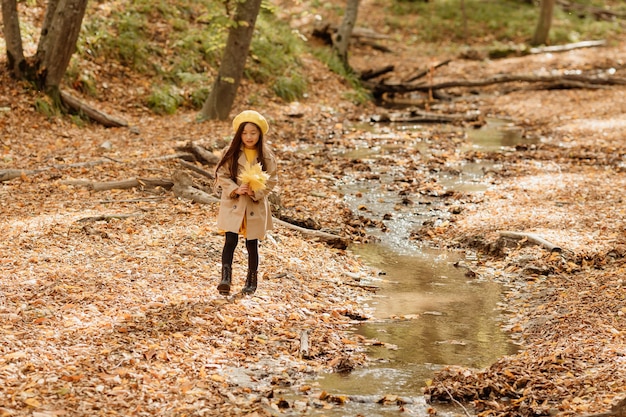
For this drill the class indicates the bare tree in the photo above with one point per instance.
(545, 21)
(222, 95)
(344, 33)
(15, 52)
(57, 43)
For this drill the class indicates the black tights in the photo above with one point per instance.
(252, 246)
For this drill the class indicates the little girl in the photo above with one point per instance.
(244, 208)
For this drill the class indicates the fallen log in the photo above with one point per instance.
(204, 154)
(534, 239)
(143, 183)
(91, 112)
(379, 89)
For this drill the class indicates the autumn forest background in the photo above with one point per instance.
(110, 258)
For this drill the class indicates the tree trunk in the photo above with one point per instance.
(57, 43)
(344, 33)
(222, 96)
(15, 52)
(545, 21)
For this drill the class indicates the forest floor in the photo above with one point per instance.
(107, 298)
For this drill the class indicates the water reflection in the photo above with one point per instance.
(431, 315)
(496, 135)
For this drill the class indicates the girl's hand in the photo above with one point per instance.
(244, 189)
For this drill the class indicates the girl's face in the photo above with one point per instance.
(250, 135)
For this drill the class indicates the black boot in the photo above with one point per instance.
(224, 286)
(250, 287)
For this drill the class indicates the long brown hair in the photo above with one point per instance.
(232, 153)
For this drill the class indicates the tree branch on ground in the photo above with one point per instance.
(94, 114)
(202, 154)
(531, 237)
(548, 82)
(10, 174)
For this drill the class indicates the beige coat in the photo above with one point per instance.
(255, 208)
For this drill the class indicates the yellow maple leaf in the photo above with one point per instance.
(254, 176)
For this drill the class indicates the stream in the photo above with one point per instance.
(427, 313)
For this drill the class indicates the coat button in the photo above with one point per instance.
(235, 207)
(252, 213)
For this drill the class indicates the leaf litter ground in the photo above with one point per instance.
(108, 302)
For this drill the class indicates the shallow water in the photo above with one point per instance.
(428, 313)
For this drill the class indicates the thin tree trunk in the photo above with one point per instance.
(15, 51)
(344, 33)
(464, 17)
(58, 42)
(222, 95)
(545, 21)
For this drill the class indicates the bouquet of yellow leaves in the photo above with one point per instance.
(254, 176)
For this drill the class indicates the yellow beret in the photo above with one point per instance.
(252, 117)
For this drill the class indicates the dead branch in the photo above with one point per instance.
(534, 239)
(424, 72)
(567, 47)
(379, 89)
(366, 287)
(105, 217)
(184, 188)
(91, 112)
(373, 73)
(196, 169)
(374, 45)
(304, 344)
(114, 185)
(9, 174)
(417, 116)
(132, 200)
(426, 117)
(199, 153)
(142, 183)
(523, 50)
(333, 240)
(361, 32)
(205, 155)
